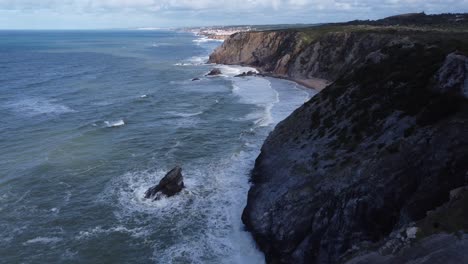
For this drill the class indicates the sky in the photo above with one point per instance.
(105, 14)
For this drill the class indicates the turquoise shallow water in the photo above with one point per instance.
(91, 119)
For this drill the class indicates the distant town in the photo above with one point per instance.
(220, 33)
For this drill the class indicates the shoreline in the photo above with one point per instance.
(316, 84)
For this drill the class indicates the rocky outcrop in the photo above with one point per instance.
(447, 247)
(368, 156)
(214, 72)
(292, 54)
(452, 77)
(245, 74)
(440, 235)
(170, 185)
(259, 49)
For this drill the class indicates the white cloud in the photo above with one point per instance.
(197, 12)
(142, 5)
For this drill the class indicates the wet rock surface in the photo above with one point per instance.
(244, 74)
(214, 72)
(170, 185)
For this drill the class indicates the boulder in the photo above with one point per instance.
(452, 77)
(170, 185)
(249, 73)
(214, 72)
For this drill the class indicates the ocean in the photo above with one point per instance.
(91, 119)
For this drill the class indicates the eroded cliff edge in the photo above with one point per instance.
(299, 55)
(373, 168)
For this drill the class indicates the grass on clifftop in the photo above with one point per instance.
(309, 35)
(411, 24)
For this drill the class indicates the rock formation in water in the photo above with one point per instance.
(214, 72)
(245, 74)
(363, 172)
(170, 185)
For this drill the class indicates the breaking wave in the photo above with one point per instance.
(38, 106)
(116, 123)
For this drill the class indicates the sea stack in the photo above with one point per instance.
(214, 72)
(170, 185)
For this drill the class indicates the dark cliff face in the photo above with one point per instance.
(368, 155)
(301, 55)
(328, 51)
(264, 50)
(331, 55)
(354, 174)
(286, 53)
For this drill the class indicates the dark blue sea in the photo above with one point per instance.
(90, 119)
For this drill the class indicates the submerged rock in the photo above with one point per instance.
(214, 72)
(170, 185)
(244, 74)
(195, 79)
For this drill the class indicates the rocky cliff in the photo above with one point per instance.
(291, 54)
(286, 53)
(328, 51)
(372, 169)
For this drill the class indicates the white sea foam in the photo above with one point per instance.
(257, 91)
(69, 254)
(157, 45)
(68, 195)
(37, 106)
(293, 96)
(179, 114)
(131, 188)
(204, 218)
(43, 240)
(98, 230)
(116, 123)
(233, 70)
(219, 198)
(263, 119)
(198, 59)
(7, 234)
(205, 40)
(193, 61)
(202, 223)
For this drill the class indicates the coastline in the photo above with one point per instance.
(316, 84)
(335, 164)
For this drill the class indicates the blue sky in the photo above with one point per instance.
(99, 14)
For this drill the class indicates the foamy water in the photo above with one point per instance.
(116, 123)
(80, 152)
(37, 106)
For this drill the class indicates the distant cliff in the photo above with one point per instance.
(328, 51)
(299, 54)
(373, 168)
(311, 58)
